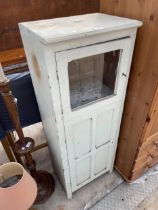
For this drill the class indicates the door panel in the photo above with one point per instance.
(103, 128)
(93, 76)
(83, 175)
(101, 160)
(92, 82)
(81, 136)
(91, 143)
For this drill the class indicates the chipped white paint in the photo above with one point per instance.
(82, 141)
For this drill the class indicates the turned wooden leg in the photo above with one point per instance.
(8, 150)
(10, 138)
(25, 145)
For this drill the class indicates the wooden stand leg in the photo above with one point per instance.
(10, 138)
(25, 145)
(8, 150)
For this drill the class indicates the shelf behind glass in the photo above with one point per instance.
(92, 78)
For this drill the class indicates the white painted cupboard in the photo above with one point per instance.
(80, 68)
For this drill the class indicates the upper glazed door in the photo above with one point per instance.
(92, 77)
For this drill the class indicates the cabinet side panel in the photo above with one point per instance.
(43, 90)
(143, 78)
(148, 152)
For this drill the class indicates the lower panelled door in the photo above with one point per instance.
(91, 143)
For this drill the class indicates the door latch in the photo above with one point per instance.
(123, 74)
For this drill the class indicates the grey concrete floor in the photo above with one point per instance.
(132, 196)
(150, 203)
(141, 195)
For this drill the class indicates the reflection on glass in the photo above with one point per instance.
(92, 78)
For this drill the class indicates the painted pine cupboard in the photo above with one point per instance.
(80, 68)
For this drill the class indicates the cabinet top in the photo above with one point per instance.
(60, 29)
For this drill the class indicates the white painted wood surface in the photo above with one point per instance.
(64, 57)
(82, 141)
(60, 29)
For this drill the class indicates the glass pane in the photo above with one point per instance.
(92, 78)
